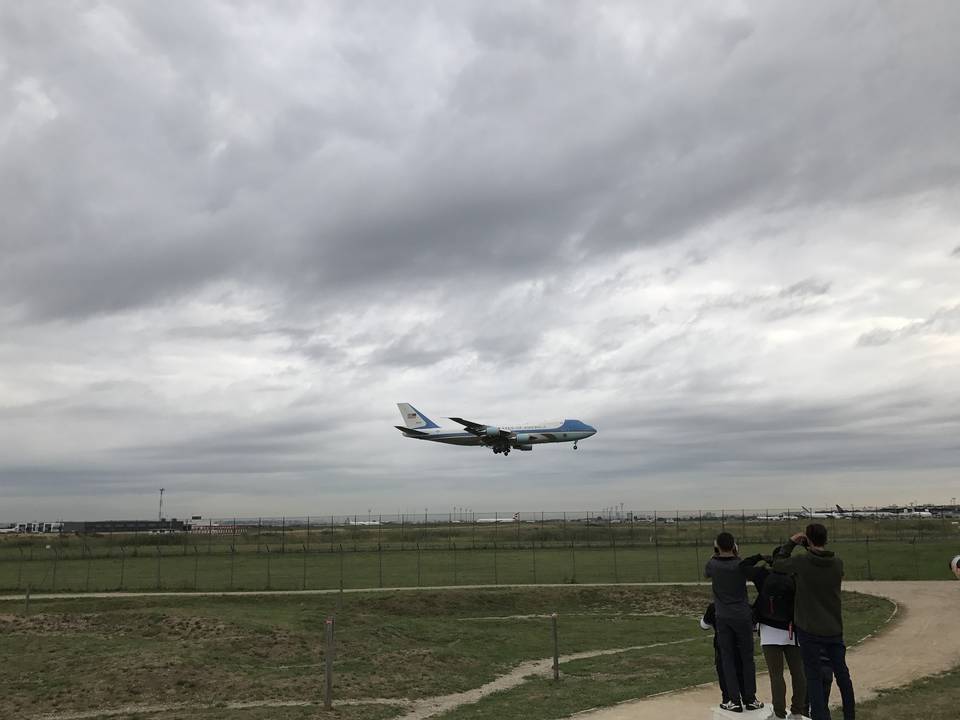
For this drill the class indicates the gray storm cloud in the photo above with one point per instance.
(233, 236)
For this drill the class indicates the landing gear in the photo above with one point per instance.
(575, 444)
(500, 449)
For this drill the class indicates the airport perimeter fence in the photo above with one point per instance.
(457, 548)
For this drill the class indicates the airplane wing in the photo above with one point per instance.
(479, 429)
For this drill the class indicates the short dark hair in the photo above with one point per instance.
(816, 534)
(725, 541)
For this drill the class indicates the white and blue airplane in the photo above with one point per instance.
(499, 439)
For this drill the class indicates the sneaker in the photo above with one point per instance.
(754, 705)
(731, 706)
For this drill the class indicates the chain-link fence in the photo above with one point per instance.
(461, 547)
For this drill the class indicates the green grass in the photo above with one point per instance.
(89, 653)
(603, 681)
(932, 698)
(167, 568)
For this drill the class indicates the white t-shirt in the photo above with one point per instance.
(776, 636)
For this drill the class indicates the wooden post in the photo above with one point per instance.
(328, 665)
(556, 648)
(26, 601)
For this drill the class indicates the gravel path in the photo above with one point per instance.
(924, 639)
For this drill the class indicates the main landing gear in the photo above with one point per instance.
(504, 450)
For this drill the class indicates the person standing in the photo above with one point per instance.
(773, 611)
(734, 623)
(709, 622)
(817, 617)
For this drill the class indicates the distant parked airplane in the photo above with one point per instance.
(515, 518)
(11, 529)
(813, 515)
(862, 513)
(916, 513)
(500, 439)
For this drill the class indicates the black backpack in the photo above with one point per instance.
(775, 601)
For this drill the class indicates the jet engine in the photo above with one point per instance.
(523, 438)
(491, 432)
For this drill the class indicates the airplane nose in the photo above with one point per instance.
(591, 431)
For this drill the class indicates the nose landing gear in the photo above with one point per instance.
(575, 444)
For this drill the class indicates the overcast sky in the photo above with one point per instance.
(234, 235)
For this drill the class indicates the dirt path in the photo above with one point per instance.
(924, 639)
(415, 709)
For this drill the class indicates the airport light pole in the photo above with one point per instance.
(160, 510)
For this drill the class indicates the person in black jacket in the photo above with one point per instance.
(734, 622)
(709, 622)
(773, 611)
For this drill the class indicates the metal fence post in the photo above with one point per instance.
(616, 573)
(418, 564)
(123, 562)
(158, 566)
(20, 569)
(454, 563)
(656, 545)
(26, 601)
(233, 555)
(196, 565)
(869, 569)
(533, 551)
(56, 556)
(341, 575)
(268, 566)
(573, 562)
(556, 647)
(328, 664)
(304, 566)
(696, 575)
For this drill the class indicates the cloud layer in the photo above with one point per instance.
(232, 237)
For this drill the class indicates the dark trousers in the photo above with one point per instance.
(718, 662)
(835, 653)
(735, 636)
(775, 656)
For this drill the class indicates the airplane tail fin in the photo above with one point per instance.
(414, 419)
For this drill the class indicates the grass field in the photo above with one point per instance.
(195, 656)
(171, 567)
(933, 698)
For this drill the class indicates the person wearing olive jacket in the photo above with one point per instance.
(817, 615)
